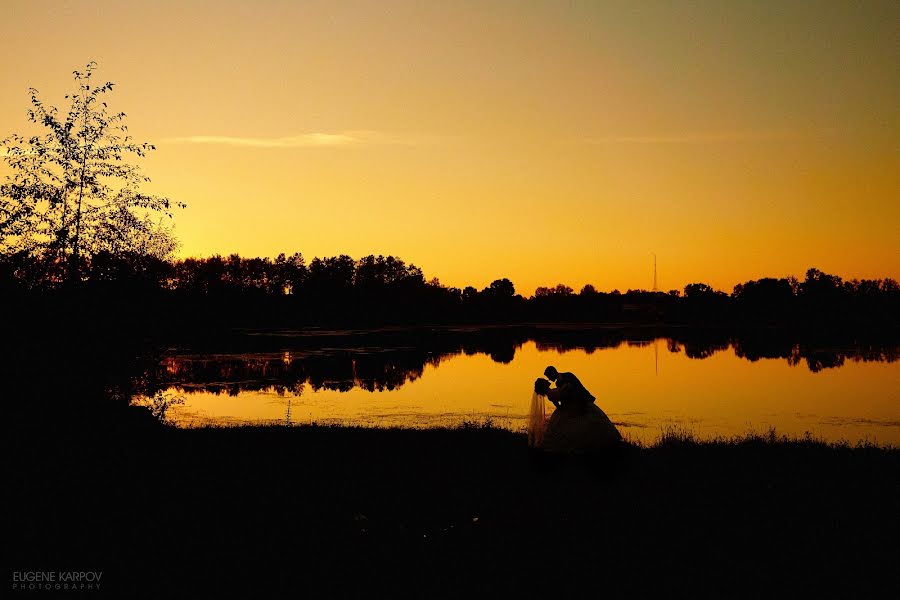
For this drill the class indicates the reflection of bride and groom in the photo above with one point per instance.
(577, 424)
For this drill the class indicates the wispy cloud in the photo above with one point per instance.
(4, 152)
(699, 138)
(304, 140)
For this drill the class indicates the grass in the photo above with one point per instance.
(673, 436)
(449, 512)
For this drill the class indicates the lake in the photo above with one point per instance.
(711, 385)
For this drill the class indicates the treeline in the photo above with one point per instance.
(382, 290)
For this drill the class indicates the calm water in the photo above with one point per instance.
(713, 389)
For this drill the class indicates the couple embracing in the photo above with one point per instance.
(576, 425)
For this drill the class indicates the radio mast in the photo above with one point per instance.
(655, 288)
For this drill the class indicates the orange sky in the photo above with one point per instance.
(540, 141)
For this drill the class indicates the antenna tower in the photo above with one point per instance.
(655, 288)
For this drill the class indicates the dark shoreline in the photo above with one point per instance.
(447, 513)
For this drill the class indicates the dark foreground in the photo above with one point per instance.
(371, 513)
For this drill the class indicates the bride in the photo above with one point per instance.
(577, 424)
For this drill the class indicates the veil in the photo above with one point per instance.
(537, 417)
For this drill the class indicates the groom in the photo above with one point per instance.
(571, 386)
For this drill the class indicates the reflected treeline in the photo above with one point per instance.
(292, 373)
(310, 365)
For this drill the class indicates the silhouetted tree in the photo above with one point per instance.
(820, 287)
(768, 298)
(72, 191)
(561, 290)
(698, 290)
(501, 288)
(290, 273)
(332, 274)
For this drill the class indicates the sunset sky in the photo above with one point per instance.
(541, 141)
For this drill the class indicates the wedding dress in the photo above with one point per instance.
(573, 427)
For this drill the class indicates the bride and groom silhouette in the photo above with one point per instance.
(576, 425)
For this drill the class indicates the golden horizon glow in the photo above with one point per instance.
(479, 140)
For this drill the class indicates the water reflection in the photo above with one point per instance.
(380, 369)
(372, 369)
(713, 385)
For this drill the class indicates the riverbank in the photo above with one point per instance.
(449, 513)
